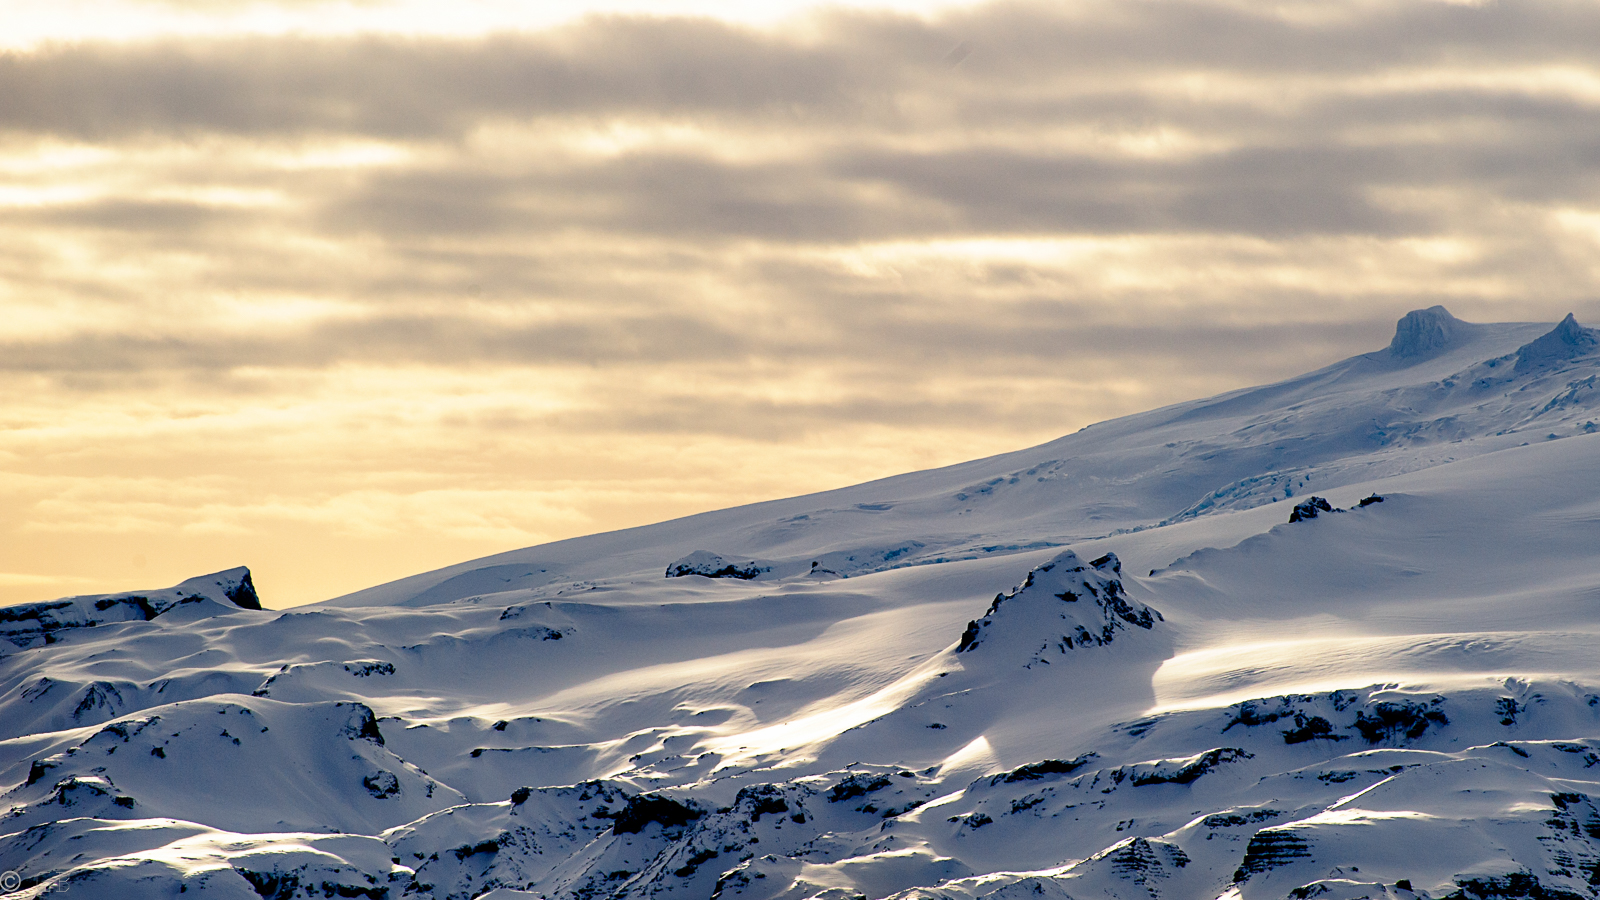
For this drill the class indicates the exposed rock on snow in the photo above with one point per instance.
(1065, 603)
(845, 562)
(1308, 509)
(641, 811)
(1038, 770)
(709, 565)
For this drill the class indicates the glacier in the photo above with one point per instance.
(1333, 637)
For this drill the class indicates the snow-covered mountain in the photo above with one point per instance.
(1334, 637)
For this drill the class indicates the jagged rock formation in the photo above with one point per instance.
(1065, 602)
(1308, 509)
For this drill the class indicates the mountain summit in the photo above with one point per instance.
(1423, 333)
(1568, 340)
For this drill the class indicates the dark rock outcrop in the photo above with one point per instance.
(1390, 721)
(709, 565)
(1518, 885)
(642, 810)
(1309, 509)
(1184, 771)
(1270, 848)
(243, 591)
(1038, 770)
(857, 785)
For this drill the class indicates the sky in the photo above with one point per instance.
(346, 291)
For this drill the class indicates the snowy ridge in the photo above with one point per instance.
(817, 698)
(1362, 419)
(221, 592)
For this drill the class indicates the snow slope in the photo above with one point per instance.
(1107, 666)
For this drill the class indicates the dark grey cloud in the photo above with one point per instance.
(880, 360)
(417, 87)
(148, 217)
(1147, 36)
(409, 87)
(878, 338)
(1312, 186)
(1266, 190)
(1292, 140)
(642, 193)
(443, 339)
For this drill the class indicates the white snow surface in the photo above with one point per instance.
(1107, 666)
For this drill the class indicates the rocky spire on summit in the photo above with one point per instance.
(1568, 340)
(1423, 333)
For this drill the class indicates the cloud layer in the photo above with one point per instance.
(347, 307)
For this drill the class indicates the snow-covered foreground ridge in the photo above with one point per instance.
(1108, 666)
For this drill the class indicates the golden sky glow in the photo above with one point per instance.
(346, 291)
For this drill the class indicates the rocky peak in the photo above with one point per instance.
(233, 585)
(1423, 333)
(1568, 340)
(1065, 604)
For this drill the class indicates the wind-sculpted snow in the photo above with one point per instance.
(1364, 662)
